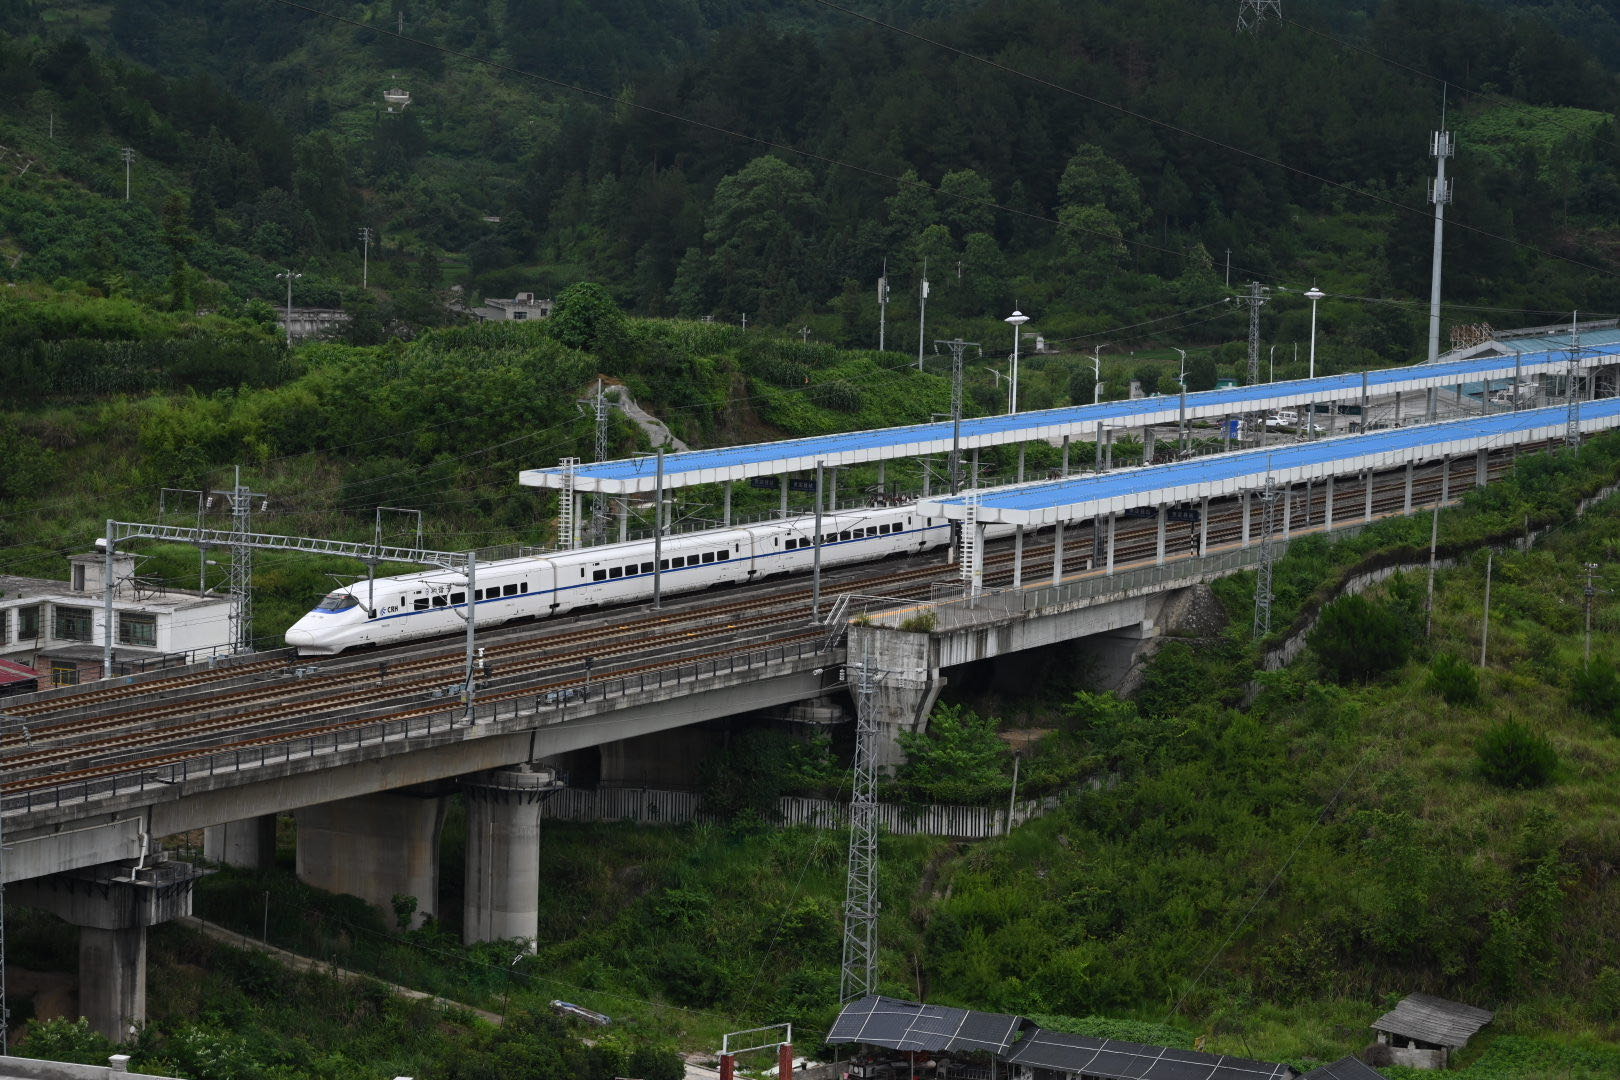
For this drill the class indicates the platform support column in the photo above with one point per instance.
(973, 468)
(1244, 514)
(1226, 432)
(1431, 403)
(1367, 494)
(1406, 499)
(1480, 466)
(1113, 532)
(1057, 553)
(1287, 494)
(1021, 449)
(1203, 525)
(1065, 456)
(783, 480)
(725, 514)
(624, 520)
(1327, 507)
(1108, 444)
(1445, 479)
(1158, 543)
(1018, 557)
(1397, 420)
(832, 489)
(1097, 466)
(1150, 438)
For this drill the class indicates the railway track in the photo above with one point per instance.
(284, 710)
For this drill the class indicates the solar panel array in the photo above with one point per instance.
(907, 1025)
(1113, 1059)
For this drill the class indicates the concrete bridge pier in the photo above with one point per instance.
(908, 685)
(112, 905)
(375, 847)
(503, 853)
(249, 844)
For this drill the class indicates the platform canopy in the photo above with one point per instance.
(632, 476)
(1217, 475)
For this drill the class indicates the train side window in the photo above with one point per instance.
(615, 571)
(478, 594)
(720, 556)
(646, 568)
(600, 575)
(509, 590)
(663, 564)
(458, 598)
(440, 601)
(420, 604)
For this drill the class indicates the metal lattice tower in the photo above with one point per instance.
(1256, 298)
(566, 523)
(240, 501)
(1251, 13)
(1268, 555)
(5, 1013)
(970, 564)
(859, 974)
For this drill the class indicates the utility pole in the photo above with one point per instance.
(1268, 556)
(1441, 147)
(858, 976)
(599, 405)
(922, 307)
(365, 254)
(128, 154)
(1434, 544)
(957, 347)
(804, 335)
(883, 304)
(1485, 623)
(1590, 591)
(289, 277)
(1251, 13)
(1256, 298)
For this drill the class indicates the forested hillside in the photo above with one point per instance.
(767, 159)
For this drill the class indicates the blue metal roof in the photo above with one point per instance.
(1083, 497)
(633, 475)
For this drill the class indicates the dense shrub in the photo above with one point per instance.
(836, 394)
(1357, 639)
(1513, 756)
(1595, 689)
(1453, 679)
(960, 759)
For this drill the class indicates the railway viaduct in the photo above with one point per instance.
(368, 789)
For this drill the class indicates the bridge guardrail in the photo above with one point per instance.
(557, 700)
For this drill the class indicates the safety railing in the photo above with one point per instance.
(549, 706)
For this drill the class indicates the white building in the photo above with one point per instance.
(58, 628)
(519, 308)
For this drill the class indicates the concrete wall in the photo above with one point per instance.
(20, 1068)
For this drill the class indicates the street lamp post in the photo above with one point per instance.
(1181, 376)
(1315, 294)
(1096, 371)
(289, 277)
(1017, 319)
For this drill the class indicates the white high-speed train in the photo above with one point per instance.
(433, 602)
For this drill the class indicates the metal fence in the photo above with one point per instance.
(546, 706)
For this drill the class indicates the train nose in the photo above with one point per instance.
(300, 639)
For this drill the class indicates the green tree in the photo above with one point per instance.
(1356, 639)
(958, 759)
(585, 317)
(1511, 755)
(756, 229)
(1453, 679)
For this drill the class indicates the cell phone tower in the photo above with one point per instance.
(1251, 13)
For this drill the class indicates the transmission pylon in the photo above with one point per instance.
(958, 348)
(1251, 13)
(1255, 299)
(1441, 148)
(1268, 556)
(859, 974)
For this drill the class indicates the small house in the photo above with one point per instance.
(1422, 1031)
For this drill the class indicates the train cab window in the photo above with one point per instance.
(441, 600)
(335, 602)
(600, 575)
(509, 590)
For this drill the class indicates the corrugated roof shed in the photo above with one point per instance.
(1116, 1060)
(907, 1025)
(1349, 1068)
(1433, 1020)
